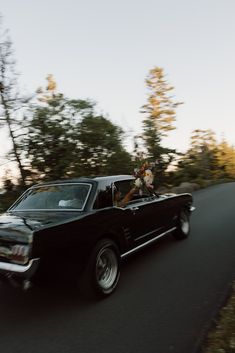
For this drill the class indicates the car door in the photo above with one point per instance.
(129, 214)
(149, 217)
(111, 217)
(146, 214)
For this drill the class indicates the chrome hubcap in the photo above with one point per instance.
(106, 268)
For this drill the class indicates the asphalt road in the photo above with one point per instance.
(166, 298)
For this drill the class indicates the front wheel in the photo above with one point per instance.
(183, 226)
(101, 275)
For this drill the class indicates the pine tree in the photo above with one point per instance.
(160, 115)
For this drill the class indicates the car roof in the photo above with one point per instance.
(111, 179)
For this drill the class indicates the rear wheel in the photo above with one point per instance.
(183, 225)
(101, 275)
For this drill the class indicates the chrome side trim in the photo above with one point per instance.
(25, 270)
(147, 242)
(147, 234)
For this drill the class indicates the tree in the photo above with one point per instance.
(160, 107)
(67, 139)
(206, 159)
(203, 153)
(160, 114)
(101, 150)
(200, 161)
(226, 160)
(11, 103)
(52, 142)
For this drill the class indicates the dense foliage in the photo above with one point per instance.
(66, 138)
(206, 159)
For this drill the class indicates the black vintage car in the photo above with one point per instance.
(81, 227)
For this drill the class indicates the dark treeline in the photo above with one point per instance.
(54, 137)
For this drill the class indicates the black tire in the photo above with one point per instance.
(183, 225)
(101, 275)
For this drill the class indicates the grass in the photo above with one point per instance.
(221, 339)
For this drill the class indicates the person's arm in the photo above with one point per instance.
(128, 196)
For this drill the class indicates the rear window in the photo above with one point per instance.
(54, 197)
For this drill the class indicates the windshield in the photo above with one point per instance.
(54, 197)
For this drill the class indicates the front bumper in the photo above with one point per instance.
(25, 271)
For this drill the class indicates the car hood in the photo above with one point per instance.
(21, 225)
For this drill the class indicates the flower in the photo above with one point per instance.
(148, 178)
(144, 176)
(138, 183)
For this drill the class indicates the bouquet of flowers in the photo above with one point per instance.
(144, 176)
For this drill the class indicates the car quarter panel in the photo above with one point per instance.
(71, 243)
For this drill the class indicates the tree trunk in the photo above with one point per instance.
(14, 145)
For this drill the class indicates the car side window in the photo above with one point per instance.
(125, 192)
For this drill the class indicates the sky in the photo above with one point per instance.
(103, 50)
